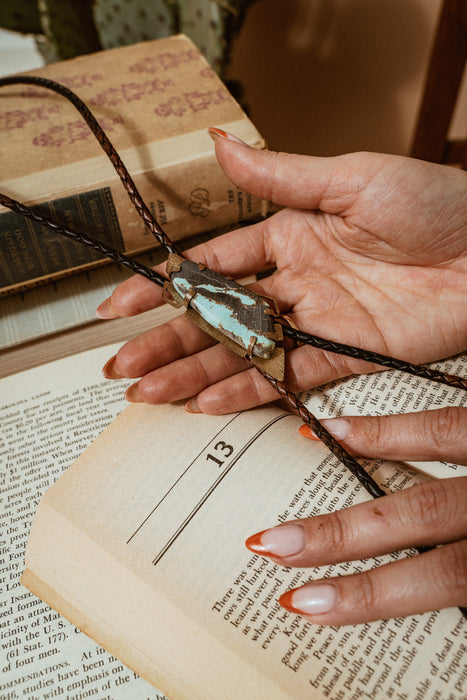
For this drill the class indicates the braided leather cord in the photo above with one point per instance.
(354, 467)
(375, 357)
(108, 148)
(81, 237)
(331, 443)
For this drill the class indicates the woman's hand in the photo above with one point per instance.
(371, 251)
(430, 514)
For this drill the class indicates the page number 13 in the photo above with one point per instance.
(223, 450)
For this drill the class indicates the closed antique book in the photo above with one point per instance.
(155, 100)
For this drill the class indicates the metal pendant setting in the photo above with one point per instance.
(226, 305)
(231, 313)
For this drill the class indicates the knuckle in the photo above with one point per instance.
(374, 432)
(337, 534)
(453, 570)
(245, 390)
(175, 340)
(342, 365)
(441, 426)
(199, 374)
(209, 256)
(225, 365)
(364, 594)
(258, 386)
(429, 504)
(272, 175)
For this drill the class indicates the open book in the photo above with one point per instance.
(140, 545)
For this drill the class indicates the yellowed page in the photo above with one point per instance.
(152, 518)
(48, 416)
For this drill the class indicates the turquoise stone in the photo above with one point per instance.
(229, 307)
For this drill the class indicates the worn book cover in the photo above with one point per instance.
(155, 100)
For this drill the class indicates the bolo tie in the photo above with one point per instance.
(247, 323)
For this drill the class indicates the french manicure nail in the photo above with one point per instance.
(338, 427)
(109, 371)
(104, 310)
(216, 133)
(191, 406)
(132, 394)
(282, 541)
(311, 599)
(307, 432)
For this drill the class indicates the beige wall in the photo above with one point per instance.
(333, 76)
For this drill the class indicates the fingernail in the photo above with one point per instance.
(191, 406)
(104, 310)
(310, 600)
(215, 133)
(307, 432)
(283, 541)
(132, 394)
(338, 427)
(109, 370)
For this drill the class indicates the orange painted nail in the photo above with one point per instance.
(216, 133)
(285, 600)
(104, 310)
(307, 432)
(254, 544)
(283, 541)
(191, 406)
(132, 394)
(310, 599)
(109, 370)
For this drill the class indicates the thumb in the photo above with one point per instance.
(436, 435)
(306, 182)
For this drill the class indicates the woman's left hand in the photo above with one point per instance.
(431, 514)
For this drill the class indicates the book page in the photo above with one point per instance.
(48, 416)
(171, 501)
(63, 304)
